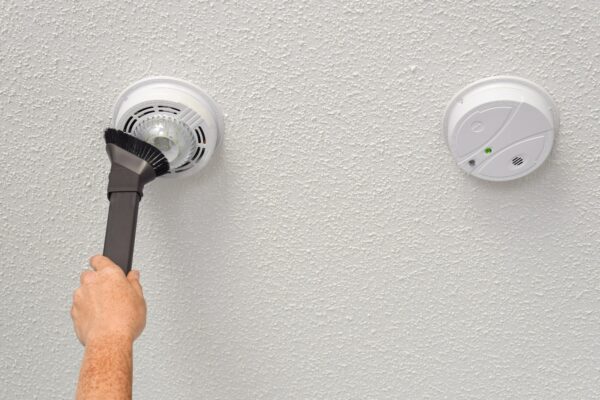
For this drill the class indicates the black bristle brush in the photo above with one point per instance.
(134, 163)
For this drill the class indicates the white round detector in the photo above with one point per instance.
(173, 115)
(501, 128)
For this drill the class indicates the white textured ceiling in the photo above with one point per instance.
(332, 249)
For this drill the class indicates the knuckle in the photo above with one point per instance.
(96, 259)
(113, 270)
(87, 277)
(99, 262)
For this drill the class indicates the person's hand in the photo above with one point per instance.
(108, 304)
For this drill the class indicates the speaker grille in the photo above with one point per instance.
(517, 161)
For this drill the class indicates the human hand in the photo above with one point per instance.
(108, 304)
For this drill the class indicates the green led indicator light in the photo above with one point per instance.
(488, 150)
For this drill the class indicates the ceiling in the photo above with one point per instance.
(332, 249)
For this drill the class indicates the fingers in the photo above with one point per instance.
(99, 263)
(134, 274)
(78, 332)
(76, 295)
(87, 277)
(134, 279)
(75, 313)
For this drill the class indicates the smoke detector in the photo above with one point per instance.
(175, 116)
(501, 128)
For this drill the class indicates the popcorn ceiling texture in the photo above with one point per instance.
(332, 249)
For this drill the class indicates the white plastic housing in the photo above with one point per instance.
(189, 119)
(501, 128)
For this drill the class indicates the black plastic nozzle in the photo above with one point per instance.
(134, 163)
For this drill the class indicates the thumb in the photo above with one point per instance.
(134, 279)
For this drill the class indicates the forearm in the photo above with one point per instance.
(106, 371)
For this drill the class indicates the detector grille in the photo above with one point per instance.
(182, 115)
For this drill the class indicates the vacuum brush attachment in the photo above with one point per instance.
(134, 163)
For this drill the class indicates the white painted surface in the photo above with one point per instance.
(332, 250)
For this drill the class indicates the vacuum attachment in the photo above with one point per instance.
(134, 163)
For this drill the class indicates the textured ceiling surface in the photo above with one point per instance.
(332, 249)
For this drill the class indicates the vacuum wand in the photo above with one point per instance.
(134, 163)
(120, 228)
